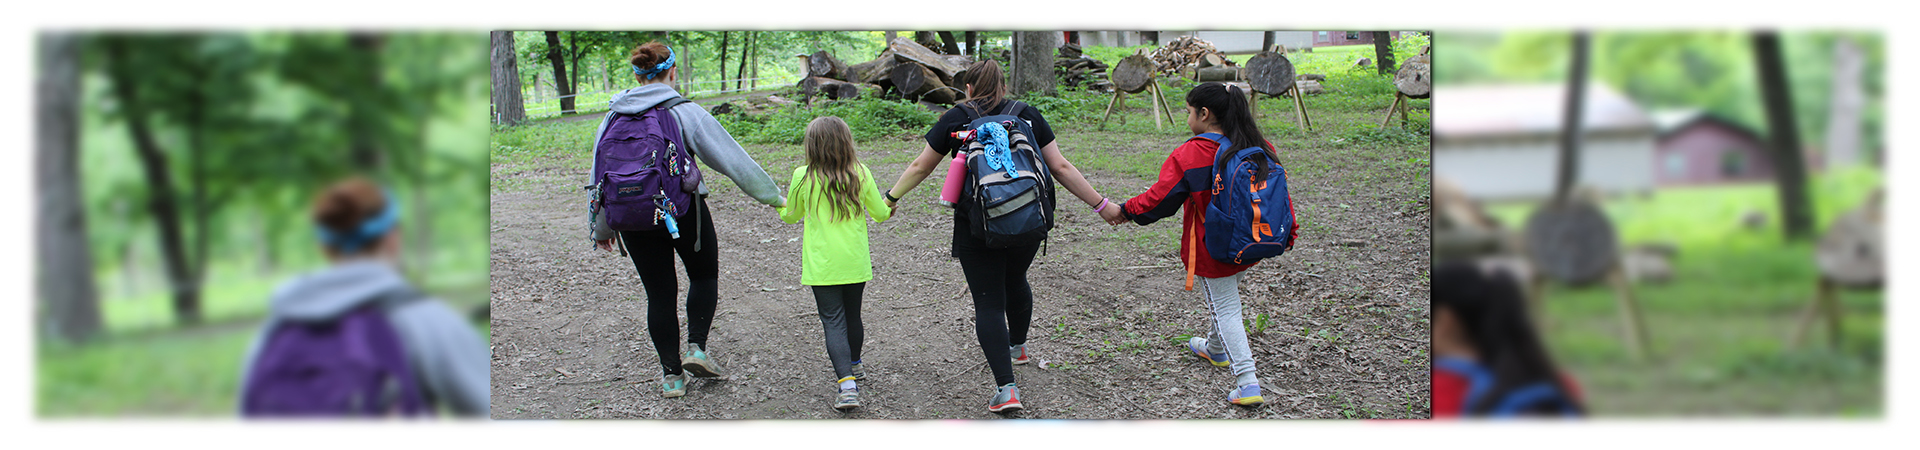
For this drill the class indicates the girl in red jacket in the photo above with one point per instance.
(1487, 359)
(1186, 181)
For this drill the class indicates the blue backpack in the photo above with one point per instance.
(1009, 191)
(352, 366)
(1247, 221)
(1529, 397)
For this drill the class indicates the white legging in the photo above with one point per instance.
(1229, 333)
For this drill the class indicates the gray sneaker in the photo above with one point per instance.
(858, 372)
(696, 363)
(673, 385)
(1019, 353)
(847, 399)
(1006, 399)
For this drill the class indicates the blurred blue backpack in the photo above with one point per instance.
(351, 366)
(1535, 396)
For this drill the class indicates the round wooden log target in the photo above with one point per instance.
(1853, 252)
(1270, 73)
(1132, 73)
(1415, 78)
(1572, 243)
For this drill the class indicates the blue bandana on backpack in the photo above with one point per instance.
(994, 146)
(351, 240)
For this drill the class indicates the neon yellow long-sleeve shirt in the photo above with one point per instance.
(833, 250)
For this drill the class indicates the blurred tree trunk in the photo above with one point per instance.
(1383, 51)
(746, 45)
(573, 54)
(364, 118)
(1033, 63)
(723, 62)
(160, 194)
(1267, 40)
(947, 44)
(1569, 167)
(508, 109)
(973, 44)
(1790, 166)
(69, 300)
(564, 91)
(1846, 104)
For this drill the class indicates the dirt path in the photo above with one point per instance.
(1346, 336)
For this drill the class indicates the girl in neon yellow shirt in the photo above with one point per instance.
(830, 193)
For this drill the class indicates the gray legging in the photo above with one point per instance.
(840, 318)
(1229, 334)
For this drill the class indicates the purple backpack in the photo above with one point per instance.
(645, 176)
(351, 366)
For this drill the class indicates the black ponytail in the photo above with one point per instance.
(1229, 106)
(1494, 314)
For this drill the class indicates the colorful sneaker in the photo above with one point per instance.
(858, 372)
(848, 399)
(673, 385)
(696, 363)
(1019, 353)
(1248, 395)
(1006, 399)
(1198, 345)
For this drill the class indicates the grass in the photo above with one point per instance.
(1718, 331)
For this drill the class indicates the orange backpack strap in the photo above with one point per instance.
(1193, 259)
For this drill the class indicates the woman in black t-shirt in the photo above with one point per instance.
(1002, 299)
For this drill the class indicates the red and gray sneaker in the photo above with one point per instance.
(1019, 354)
(1006, 399)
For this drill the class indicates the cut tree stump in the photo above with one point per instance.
(1270, 73)
(876, 71)
(1206, 74)
(917, 81)
(823, 64)
(905, 51)
(1415, 78)
(1132, 73)
(832, 88)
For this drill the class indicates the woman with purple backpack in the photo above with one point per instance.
(655, 120)
(355, 339)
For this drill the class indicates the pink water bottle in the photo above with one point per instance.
(955, 172)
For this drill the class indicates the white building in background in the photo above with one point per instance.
(1502, 141)
(1226, 41)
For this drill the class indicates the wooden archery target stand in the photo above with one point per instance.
(1414, 80)
(1851, 256)
(1573, 243)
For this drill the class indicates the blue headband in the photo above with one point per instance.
(373, 228)
(657, 68)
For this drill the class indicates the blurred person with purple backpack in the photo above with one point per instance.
(355, 339)
(646, 190)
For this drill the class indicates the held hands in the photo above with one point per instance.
(1111, 213)
(606, 244)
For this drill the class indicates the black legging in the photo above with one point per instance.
(652, 253)
(1002, 299)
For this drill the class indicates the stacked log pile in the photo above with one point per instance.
(1075, 69)
(905, 69)
(1189, 56)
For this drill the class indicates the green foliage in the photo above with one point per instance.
(1113, 55)
(869, 118)
(1408, 46)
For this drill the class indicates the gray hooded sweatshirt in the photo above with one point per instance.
(447, 355)
(703, 136)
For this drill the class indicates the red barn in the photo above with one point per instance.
(1695, 147)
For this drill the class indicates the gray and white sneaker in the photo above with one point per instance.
(847, 399)
(858, 372)
(696, 363)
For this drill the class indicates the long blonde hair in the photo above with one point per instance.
(833, 166)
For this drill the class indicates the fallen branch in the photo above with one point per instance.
(1308, 274)
(1416, 341)
(602, 380)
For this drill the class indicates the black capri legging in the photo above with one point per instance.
(1002, 299)
(652, 252)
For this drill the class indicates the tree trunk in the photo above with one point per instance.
(1790, 166)
(1569, 166)
(1033, 63)
(973, 44)
(1267, 39)
(1383, 51)
(507, 106)
(564, 91)
(153, 161)
(1848, 101)
(723, 62)
(947, 45)
(745, 45)
(69, 300)
(823, 64)
(889, 35)
(573, 54)
(755, 61)
(365, 47)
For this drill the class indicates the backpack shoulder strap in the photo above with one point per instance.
(1012, 108)
(972, 113)
(672, 102)
(1529, 395)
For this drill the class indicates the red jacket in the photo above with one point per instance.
(1186, 182)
